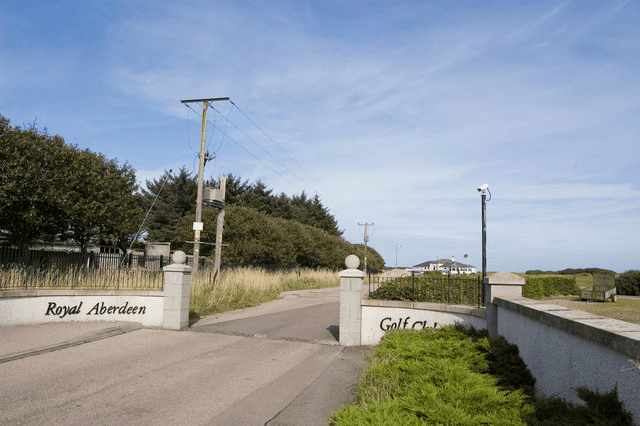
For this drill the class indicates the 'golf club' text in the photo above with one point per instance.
(388, 324)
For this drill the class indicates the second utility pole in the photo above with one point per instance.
(366, 239)
(197, 225)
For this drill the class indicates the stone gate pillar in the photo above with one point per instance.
(351, 286)
(500, 284)
(177, 290)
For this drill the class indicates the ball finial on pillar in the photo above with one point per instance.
(179, 257)
(352, 261)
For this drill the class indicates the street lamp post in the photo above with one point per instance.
(396, 246)
(483, 192)
(484, 236)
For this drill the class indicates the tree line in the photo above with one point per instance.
(256, 238)
(54, 191)
(260, 228)
(573, 271)
(174, 195)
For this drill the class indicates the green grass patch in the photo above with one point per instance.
(624, 309)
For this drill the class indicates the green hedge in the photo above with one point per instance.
(628, 283)
(547, 286)
(434, 289)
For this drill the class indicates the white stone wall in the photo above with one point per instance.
(146, 310)
(561, 360)
(168, 309)
(376, 320)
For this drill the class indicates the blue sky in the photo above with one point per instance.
(393, 112)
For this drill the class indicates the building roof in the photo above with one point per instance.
(446, 263)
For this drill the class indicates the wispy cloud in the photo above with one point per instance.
(394, 112)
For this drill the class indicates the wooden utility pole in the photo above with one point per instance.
(197, 225)
(366, 240)
(219, 225)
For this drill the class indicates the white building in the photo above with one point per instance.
(446, 266)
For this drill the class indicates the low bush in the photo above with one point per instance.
(458, 376)
(600, 410)
(459, 290)
(537, 287)
(433, 377)
(628, 283)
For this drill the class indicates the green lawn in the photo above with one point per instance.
(624, 309)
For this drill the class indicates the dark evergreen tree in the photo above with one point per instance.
(235, 190)
(176, 199)
(258, 197)
(321, 218)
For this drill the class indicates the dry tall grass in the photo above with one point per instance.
(236, 288)
(239, 288)
(22, 278)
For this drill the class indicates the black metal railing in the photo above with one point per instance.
(33, 269)
(450, 289)
(67, 259)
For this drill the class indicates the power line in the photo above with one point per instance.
(290, 157)
(258, 158)
(346, 209)
(225, 126)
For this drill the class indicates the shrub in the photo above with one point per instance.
(628, 283)
(434, 289)
(601, 409)
(432, 377)
(551, 285)
(457, 375)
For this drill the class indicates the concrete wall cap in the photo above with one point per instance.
(351, 273)
(505, 278)
(177, 267)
